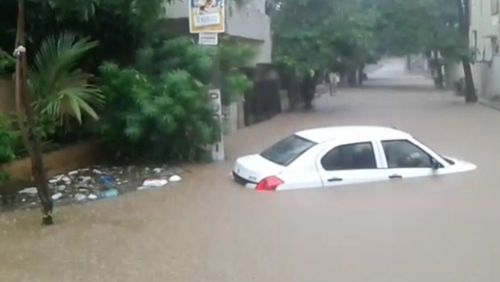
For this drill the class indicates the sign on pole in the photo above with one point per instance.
(206, 38)
(216, 102)
(207, 16)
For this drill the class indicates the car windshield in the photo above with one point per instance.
(287, 150)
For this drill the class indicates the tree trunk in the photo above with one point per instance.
(361, 75)
(464, 24)
(470, 90)
(29, 134)
(439, 79)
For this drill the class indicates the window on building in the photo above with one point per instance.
(474, 41)
(494, 7)
(494, 46)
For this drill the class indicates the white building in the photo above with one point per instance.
(484, 34)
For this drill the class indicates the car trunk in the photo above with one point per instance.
(252, 169)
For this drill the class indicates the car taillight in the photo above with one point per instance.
(269, 184)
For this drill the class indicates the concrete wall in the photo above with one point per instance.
(61, 161)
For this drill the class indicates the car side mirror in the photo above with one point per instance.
(435, 164)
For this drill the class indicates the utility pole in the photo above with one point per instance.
(24, 109)
(208, 21)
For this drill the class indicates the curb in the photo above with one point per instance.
(488, 104)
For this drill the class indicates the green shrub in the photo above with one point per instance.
(167, 120)
(164, 55)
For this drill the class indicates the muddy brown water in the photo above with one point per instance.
(209, 229)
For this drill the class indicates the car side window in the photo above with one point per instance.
(405, 154)
(348, 157)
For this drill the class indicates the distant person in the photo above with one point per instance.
(309, 89)
(333, 82)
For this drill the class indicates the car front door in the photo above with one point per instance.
(405, 159)
(349, 164)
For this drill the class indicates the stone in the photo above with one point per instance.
(96, 171)
(57, 196)
(30, 191)
(61, 188)
(73, 173)
(157, 170)
(92, 197)
(175, 178)
(80, 197)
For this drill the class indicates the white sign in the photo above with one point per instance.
(208, 39)
(207, 20)
(207, 16)
(217, 148)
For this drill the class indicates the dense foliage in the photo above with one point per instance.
(163, 120)
(118, 25)
(344, 35)
(321, 35)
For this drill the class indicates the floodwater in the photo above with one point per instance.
(209, 229)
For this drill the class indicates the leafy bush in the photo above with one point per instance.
(163, 55)
(9, 141)
(170, 119)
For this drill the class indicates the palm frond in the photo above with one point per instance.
(60, 87)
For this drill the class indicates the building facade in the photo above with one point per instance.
(484, 42)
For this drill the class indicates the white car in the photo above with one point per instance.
(328, 157)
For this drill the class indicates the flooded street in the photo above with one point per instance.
(208, 229)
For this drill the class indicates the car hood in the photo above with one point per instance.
(255, 168)
(460, 165)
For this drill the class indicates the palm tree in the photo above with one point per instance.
(61, 89)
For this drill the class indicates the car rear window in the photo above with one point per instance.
(287, 150)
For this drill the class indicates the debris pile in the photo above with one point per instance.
(91, 184)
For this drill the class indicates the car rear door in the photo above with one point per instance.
(350, 163)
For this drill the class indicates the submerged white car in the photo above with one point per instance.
(328, 157)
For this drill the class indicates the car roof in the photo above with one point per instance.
(325, 134)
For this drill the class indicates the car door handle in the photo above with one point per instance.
(395, 176)
(335, 179)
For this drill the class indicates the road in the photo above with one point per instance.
(209, 229)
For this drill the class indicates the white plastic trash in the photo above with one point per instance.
(57, 196)
(175, 178)
(155, 183)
